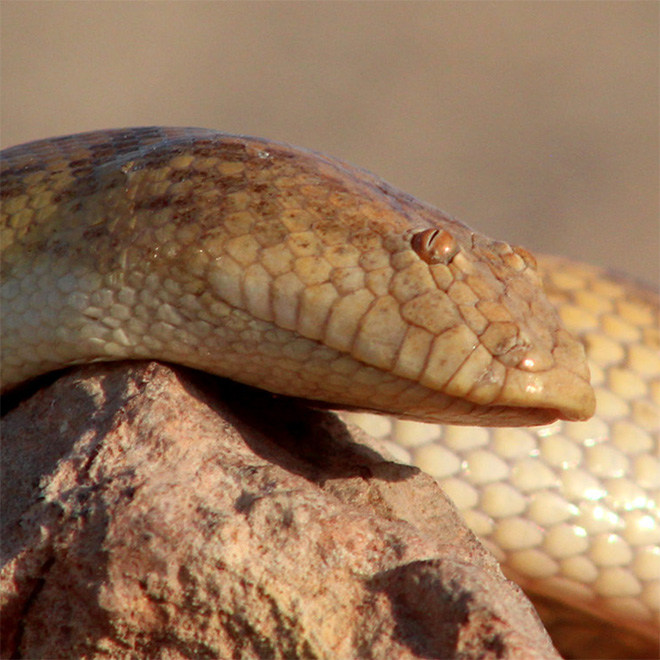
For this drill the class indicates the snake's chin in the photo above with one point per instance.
(490, 416)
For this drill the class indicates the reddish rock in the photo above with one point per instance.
(157, 513)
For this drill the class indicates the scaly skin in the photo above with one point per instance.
(277, 267)
(294, 272)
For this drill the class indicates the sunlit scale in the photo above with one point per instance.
(294, 272)
(571, 509)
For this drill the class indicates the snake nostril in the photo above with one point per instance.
(435, 246)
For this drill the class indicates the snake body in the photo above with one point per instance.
(295, 272)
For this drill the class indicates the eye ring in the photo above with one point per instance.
(434, 246)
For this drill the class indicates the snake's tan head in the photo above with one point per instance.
(295, 272)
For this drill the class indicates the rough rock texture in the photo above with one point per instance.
(158, 513)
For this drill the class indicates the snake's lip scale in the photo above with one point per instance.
(293, 271)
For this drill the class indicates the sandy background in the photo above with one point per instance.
(535, 122)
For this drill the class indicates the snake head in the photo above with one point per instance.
(462, 316)
(279, 267)
(387, 303)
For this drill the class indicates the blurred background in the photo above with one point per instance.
(533, 122)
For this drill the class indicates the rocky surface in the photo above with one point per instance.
(157, 513)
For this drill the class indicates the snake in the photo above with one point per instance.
(529, 387)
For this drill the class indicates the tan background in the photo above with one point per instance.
(535, 122)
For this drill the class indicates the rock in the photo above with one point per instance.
(153, 512)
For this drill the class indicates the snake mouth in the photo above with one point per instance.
(567, 394)
(557, 396)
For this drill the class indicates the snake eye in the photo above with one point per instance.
(435, 246)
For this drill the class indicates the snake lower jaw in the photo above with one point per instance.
(539, 407)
